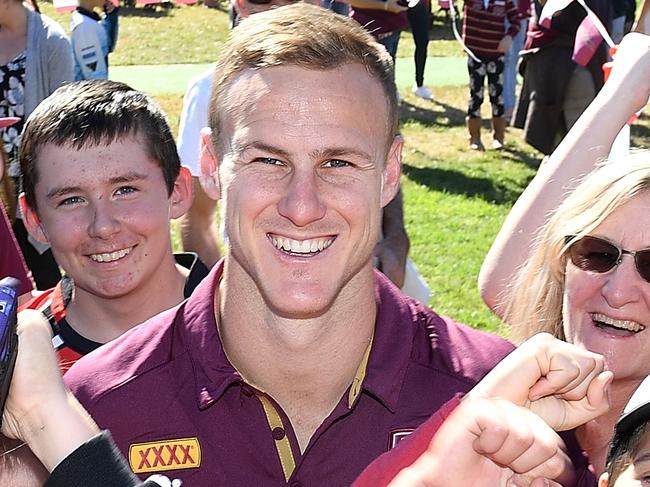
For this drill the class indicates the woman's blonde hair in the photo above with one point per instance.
(534, 300)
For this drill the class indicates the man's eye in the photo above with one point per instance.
(125, 190)
(334, 163)
(269, 160)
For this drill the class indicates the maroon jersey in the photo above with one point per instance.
(175, 405)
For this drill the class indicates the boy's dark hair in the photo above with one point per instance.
(623, 450)
(91, 113)
(630, 430)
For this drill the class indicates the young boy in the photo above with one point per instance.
(628, 460)
(93, 38)
(101, 180)
(484, 33)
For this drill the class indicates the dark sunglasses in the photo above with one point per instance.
(598, 255)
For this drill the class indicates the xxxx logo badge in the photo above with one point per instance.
(158, 456)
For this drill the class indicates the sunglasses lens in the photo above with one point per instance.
(594, 254)
(642, 259)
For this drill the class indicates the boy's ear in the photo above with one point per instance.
(209, 164)
(181, 197)
(32, 221)
(603, 481)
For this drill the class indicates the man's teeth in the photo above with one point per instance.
(628, 325)
(110, 257)
(301, 246)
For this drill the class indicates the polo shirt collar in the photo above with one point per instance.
(199, 336)
(392, 343)
(387, 363)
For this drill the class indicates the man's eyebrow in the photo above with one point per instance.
(263, 147)
(333, 153)
(330, 153)
(128, 177)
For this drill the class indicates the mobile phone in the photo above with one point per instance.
(8, 337)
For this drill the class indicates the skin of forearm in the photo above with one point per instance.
(588, 142)
(639, 26)
(57, 430)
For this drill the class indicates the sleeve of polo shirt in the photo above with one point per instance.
(96, 463)
(385, 468)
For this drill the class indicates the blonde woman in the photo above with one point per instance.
(583, 274)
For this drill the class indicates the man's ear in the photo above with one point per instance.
(209, 164)
(603, 481)
(392, 171)
(181, 197)
(32, 221)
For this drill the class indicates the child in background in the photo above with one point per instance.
(484, 33)
(93, 38)
(628, 460)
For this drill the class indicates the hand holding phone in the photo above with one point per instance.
(8, 337)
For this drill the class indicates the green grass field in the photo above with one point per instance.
(455, 200)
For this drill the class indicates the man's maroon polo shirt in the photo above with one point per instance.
(176, 406)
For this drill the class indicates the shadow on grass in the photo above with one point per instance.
(456, 182)
(439, 115)
(153, 12)
(157, 10)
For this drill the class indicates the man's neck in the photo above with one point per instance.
(306, 365)
(104, 319)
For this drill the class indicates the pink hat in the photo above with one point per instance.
(7, 121)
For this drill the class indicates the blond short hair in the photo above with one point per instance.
(300, 35)
(534, 301)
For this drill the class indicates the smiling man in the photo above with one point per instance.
(101, 180)
(294, 362)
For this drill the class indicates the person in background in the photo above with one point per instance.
(384, 19)
(12, 262)
(556, 90)
(642, 24)
(93, 38)
(485, 34)
(35, 59)
(511, 61)
(419, 18)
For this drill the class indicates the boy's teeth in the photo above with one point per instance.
(110, 257)
(628, 325)
(301, 246)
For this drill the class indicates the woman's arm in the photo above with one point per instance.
(587, 143)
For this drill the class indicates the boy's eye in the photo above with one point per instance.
(334, 163)
(125, 190)
(72, 200)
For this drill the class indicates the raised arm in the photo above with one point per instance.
(587, 143)
(640, 24)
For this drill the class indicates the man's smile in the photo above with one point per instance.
(302, 247)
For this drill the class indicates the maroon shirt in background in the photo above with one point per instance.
(169, 379)
(379, 22)
(12, 262)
